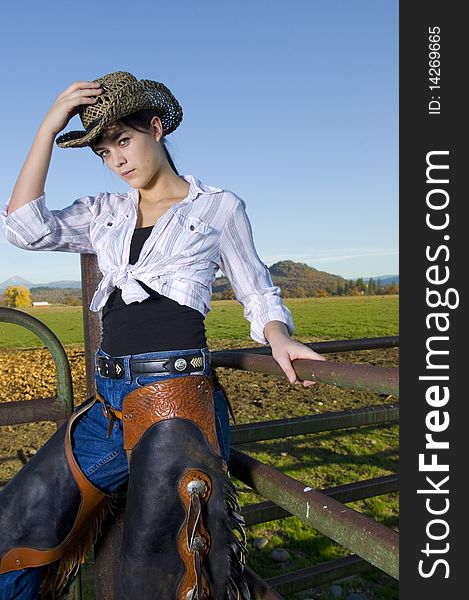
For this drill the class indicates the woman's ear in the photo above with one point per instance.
(156, 128)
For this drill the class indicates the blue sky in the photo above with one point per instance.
(293, 106)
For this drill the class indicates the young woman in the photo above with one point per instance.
(159, 422)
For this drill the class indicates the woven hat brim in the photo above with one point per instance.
(151, 95)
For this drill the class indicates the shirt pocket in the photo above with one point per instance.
(185, 235)
(105, 228)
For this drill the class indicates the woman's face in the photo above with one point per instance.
(134, 156)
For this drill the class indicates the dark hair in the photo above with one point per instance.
(140, 121)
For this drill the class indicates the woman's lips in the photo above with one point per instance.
(127, 173)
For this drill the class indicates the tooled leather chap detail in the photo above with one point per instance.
(185, 398)
(50, 512)
(179, 540)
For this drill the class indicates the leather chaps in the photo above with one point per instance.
(179, 540)
(50, 514)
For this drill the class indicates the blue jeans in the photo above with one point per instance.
(103, 459)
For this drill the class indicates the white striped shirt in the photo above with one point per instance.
(207, 231)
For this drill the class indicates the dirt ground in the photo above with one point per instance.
(27, 374)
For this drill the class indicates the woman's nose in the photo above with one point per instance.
(118, 159)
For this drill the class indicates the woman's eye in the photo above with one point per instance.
(103, 154)
(123, 141)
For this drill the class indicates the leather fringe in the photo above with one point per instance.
(237, 588)
(60, 572)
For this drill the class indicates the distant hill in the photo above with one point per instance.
(18, 280)
(294, 279)
(290, 275)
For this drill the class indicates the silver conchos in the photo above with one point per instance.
(180, 364)
(196, 487)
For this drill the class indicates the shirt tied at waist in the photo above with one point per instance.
(124, 279)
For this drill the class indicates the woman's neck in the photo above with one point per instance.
(157, 199)
(165, 186)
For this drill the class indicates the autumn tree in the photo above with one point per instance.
(23, 297)
(298, 292)
(17, 296)
(10, 295)
(322, 293)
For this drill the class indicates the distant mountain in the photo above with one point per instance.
(385, 279)
(18, 280)
(68, 283)
(15, 280)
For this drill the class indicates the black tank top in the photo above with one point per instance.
(156, 324)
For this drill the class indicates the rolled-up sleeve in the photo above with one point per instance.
(34, 227)
(249, 277)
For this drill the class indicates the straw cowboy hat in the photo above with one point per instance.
(122, 95)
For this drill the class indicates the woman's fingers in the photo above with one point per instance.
(285, 363)
(81, 94)
(78, 91)
(82, 85)
(67, 103)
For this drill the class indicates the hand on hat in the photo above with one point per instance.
(67, 103)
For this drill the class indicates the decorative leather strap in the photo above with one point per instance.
(109, 412)
(193, 543)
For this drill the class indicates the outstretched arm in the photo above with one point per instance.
(252, 284)
(284, 350)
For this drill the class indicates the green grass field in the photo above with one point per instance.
(314, 318)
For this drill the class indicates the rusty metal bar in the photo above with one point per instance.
(259, 588)
(29, 411)
(280, 428)
(367, 378)
(262, 512)
(303, 579)
(367, 488)
(334, 345)
(63, 403)
(372, 541)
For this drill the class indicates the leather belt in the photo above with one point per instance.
(183, 364)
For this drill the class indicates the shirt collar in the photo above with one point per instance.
(196, 188)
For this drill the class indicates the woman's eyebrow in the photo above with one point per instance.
(111, 138)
